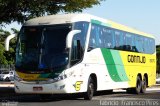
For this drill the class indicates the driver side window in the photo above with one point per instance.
(78, 42)
(77, 50)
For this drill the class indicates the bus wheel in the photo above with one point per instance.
(90, 90)
(138, 87)
(7, 79)
(144, 85)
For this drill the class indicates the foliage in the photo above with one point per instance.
(158, 58)
(21, 10)
(7, 57)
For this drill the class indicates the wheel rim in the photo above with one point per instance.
(7, 79)
(138, 86)
(144, 85)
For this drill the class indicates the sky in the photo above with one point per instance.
(143, 15)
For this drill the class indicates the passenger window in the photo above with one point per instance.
(152, 46)
(129, 42)
(92, 40)
(139, 44)
(105, 37)
(146, 45)
(149, 45)
(108, 38)
(119, 40)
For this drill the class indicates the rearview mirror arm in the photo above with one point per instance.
(7, 40)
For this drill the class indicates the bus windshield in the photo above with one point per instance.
(42, 47)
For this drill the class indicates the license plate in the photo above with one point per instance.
(37, 88)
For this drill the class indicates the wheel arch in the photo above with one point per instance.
(139, 75)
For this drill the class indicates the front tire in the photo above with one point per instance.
(7, 79)
(90, 90)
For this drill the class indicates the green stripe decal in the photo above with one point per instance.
(110, 65)
(114, 65)
(100, 23)
(119, 65)
(96, 22)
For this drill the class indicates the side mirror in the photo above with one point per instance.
(70, 37)
(8, 40)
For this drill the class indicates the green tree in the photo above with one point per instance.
(158, 58)
(21, 10)
(2, 57)
(7, 57)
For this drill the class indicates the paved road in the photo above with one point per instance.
(117, 98)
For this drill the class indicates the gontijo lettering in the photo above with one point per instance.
(136, 59)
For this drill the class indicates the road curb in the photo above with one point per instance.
(7, 85)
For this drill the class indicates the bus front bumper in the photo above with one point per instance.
(64, 86)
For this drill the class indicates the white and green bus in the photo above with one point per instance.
(81, 53)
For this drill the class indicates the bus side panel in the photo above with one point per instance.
(110, 74)
(138, 63)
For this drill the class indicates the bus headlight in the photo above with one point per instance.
(64, 76)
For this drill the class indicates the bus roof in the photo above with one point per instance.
(70, 18)
(50, 20)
